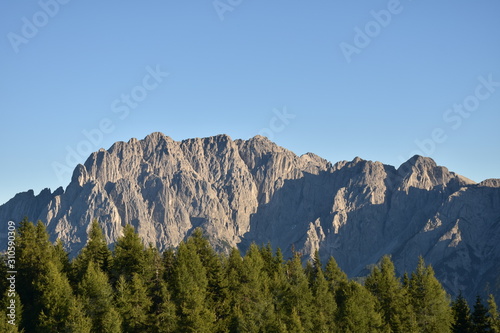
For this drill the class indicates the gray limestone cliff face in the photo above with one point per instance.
(244, 191)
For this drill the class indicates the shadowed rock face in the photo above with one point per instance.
(255, 191)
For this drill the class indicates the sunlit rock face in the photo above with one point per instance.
(244, 191)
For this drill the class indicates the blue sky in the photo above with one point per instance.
(377, 79)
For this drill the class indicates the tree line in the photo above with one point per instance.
(135, 288)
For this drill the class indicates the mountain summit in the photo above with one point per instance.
(243, 191)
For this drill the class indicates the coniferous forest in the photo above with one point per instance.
(134, 288)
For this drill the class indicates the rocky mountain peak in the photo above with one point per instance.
(423, 173)
(492, 182)
(243, 191)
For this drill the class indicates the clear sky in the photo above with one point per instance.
(382, 80)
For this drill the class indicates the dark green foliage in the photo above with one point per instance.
(462, 322)
(96, 251)
(6, 306)
(5, 327)
(190, 292)
(195, 289)
(96, 296)
(429, 300)
(323, 304)
(41, 281)
(216, 279)
(298, 299)
(60, 312)
(494, 316)
(393, 303)
(133, 303)
(250, 300)
(356, 309)
(163, 316)
(334, 275)
(130, 256)
(480, 318)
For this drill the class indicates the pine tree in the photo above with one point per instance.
(356, 309)
(77, 320)
(163, 310)
(168, 261)
(324, 306)
(34, 252)
(480, 320)
(429, 300)
(216, 280)
(334, 275)
(190, 291)
(97, 300)
(4, 324)
(130, 256)
(96, 250)
(234, 270)
(462, 322)
(278, 288)
(493, 315)
(59, 310)
(164, 318)
(249, 292)
(133, 304)
(392, 301)
(11, 311)
(61, 257)
(266, 252)
(299, 297)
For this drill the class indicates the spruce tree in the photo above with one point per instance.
(130, 256)
(190, 291)
(11, 311)
(278, 289)
(163, 309)
(493, 315)
(462, 322)
(266, 252)
(77, 321)
(97, 300)
(133, 304)
(393, 303)
(61, 257)
(323, 305)
(216, 280)
(480, 320)
(298, 299)
(168, 261)
(60, 312)
(249, 292)
(96, 250)
(334, 275)
(356, 309)
(163, 316)
(34, 252)
(4, 324)
(234, 270)
(429, 300)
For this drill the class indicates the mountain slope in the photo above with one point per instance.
(243, 191)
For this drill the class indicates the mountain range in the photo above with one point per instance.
(244, 191)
